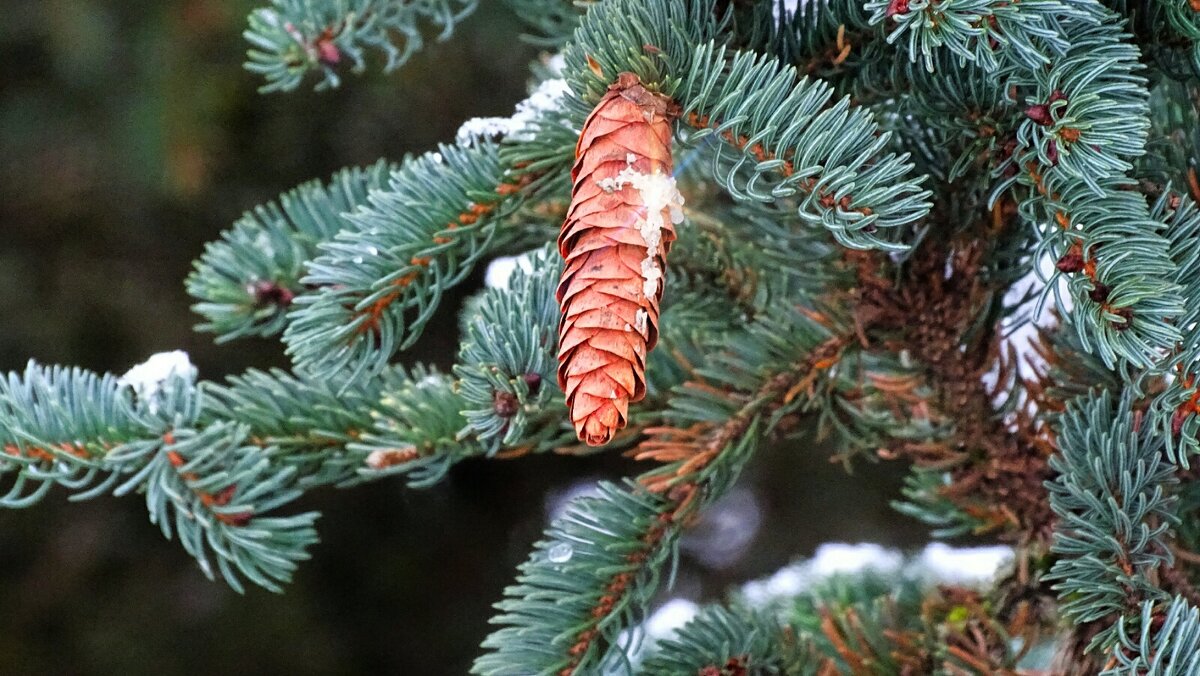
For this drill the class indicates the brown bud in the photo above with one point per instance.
(1040, 113)
(533, 381)
(327, 51)
(270, 293)
(505, 404)
(1099, 292)
(1071, 262)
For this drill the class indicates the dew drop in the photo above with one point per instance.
(560, 553)
(357, 260)
(373, 251)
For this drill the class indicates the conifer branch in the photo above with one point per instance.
(986, 32)
(1181, 400)
(292, 38)
(1072, 152)
(246, 281)
(778, 128)
(782, 131)
(505, 368)
(1182, 19)
(832, 39)
(593, 575)
(416, 431)
(1166, 642)
(563, 617)
(1080, 130)
(1112, 497)
(380, 280)
(301, 422)
(56, 425)
(205, 484)
(553, 21)
(720, 641)
(938, 127)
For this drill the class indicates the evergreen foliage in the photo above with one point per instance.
(960, 234)
(246, 281)
(291, 38)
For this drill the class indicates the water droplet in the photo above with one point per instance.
(560, 553)
(373, 251)
(357, 260)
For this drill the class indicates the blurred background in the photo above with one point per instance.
(130, 136)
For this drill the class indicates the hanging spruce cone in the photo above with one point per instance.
(619, 226)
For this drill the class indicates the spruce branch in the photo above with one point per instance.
(214, 488)
(1115, 509)
(564, 615)
(967, 142)
(787, 138)
(978, 464)
(722, 641)
(553, 21)
(833, 39)
(1180, 401)
(592, 575)
(379, 282)
(1171, 30)
(245, 282)
(292, 38)
(889, 617)
(1082, 126)
(1164, 642)
(777, 129)
(303, 422)
(1072, 152)
(986, 32)
(506, 367)
(416, 430)
(56, 425)
(203, 483)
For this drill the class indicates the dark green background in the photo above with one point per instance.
(129, 136)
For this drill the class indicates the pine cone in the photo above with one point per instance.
(619, 226)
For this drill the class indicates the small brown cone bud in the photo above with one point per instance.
(533, 381)
(505, 404)
(1040, 113)
(1071, 262)
(1099, 292)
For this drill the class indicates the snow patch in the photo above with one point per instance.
(486, 127)
(659, 194)
(837, 557)
(669, 617)
(967, 565)
(148, 377)
(936, 564)
(523, 123)
(500, 270)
